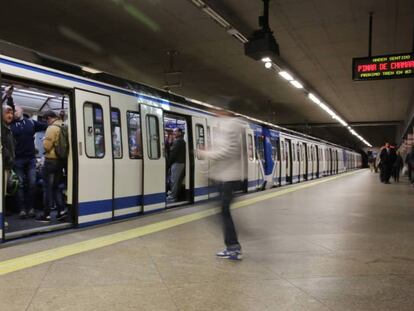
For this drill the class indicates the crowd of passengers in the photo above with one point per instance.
(390, 163)
(23, 170)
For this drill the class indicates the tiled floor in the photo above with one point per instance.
(347, 244)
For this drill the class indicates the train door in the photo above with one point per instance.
(154, 195)
(288, 150)
(304, 163)
(330, 161)
(317, 160)
(126, 135)
(200, 192)
(274, 141)
(298, 150)
(309, 158)
(251, 171)
(95, 157)
(282, 161)
(337, 162)
(295, 162)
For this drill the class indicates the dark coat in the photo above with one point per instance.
(177, 152)
(23, 131)
(8, 144)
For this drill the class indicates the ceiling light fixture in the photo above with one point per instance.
(268, 65)
(266, 59)
(314, 98)
(286, 75)
(296, 84)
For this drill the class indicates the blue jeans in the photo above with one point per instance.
(26, 171)
(52, 177)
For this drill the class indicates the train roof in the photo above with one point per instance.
(32, 56)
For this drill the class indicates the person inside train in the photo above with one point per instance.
(176, 163)
(23, 130)
(8, 145)
(52, 171)
(8, 97)
(409, 160)
(226, 172)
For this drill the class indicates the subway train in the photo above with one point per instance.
(118, 132)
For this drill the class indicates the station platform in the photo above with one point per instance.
(338, 243)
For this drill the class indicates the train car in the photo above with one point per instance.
(120, 134)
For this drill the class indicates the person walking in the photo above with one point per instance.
(410, 163)
(397, 167)
(385, 164)
(23, 130)
(176, 163)
(226, 170)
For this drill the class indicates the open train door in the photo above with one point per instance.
(200, 171)
(153, 158)
(95, 159)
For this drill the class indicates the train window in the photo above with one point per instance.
(298, 150)
(200, 139)
(153, 137)
(134, 135)
(116, 133)
(293, 153)
(283, 151)
(94, 130)
(273, 142)
(250, 147)
(260, 147)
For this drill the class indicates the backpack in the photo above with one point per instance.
(62, 144)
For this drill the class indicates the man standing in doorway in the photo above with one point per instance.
(52, 169)
(176, 161)
(385, 164)
(23, 130)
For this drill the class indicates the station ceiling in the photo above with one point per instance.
(317, 38)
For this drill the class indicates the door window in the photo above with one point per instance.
(200, 139)
(153, 137)
(250, 147)
(116, 133)
(134, 135)
(94, 130)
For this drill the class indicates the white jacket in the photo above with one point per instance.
(225, 154)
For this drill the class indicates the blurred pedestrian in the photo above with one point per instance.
(385, 164)
(226, 170)
(397, 167)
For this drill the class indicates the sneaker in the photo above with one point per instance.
(43, 218)
(32, 213)
(22, 215)
(62, 216)
(232, 255)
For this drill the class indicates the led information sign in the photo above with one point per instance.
(383, 67)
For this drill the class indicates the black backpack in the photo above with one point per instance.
(62, 144)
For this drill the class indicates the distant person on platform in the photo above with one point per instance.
(176, 162)
(226, 172)
(386, 164)
(23, 130)
(397, 167)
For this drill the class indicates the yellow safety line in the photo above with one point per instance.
(28, 261)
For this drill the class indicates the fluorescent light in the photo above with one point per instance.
(296, 84)
(266, 59)
(268, 65)
(314, 98)
(286, 75)
(90, 70)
